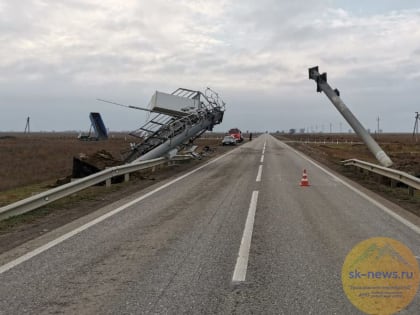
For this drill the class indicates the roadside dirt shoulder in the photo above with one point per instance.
(397, 195)
(18, 230)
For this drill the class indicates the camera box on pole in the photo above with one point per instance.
(173, 105)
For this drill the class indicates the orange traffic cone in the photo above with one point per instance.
(304, 181)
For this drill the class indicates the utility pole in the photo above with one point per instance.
(377, 128)
(416, 126)
(27, 126)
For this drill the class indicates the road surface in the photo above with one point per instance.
(236, 236)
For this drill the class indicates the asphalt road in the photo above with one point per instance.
(175, 250)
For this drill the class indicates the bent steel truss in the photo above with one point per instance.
(176, 120)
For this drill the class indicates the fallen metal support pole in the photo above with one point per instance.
(334, 96)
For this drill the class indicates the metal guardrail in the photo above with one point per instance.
(399, 176)
(46, 197)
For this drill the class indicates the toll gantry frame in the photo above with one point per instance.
(176, 120)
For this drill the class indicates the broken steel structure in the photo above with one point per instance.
(176, 120)
(334, 96)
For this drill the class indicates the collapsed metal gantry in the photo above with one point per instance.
(176, 120)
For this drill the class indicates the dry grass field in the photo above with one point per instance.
(331, 149)
(401, 148)
(30, 163)
(40, 157)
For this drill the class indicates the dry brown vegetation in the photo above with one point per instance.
(30, 163)
(39, 157)
(332, 149)
(401, 148)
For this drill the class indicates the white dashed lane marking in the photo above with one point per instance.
(258, 179)
(239, 274)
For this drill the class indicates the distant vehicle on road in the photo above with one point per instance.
(237, 134)
(229, 140)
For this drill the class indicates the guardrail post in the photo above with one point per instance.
(393, 183)
(108, 183)
(410, 191)
(381, 179)
(127, 177)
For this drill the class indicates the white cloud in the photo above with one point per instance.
(261, 46)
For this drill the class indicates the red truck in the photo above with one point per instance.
(237, 134)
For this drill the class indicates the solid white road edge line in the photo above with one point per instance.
(239, 274)
(258, 179)
(70, 234)
(399, 218)
(262, 159)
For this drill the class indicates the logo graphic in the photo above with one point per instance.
(380, 276)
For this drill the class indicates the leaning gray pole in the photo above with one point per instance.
(334, 96)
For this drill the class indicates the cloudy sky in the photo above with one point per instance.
(58, 57)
